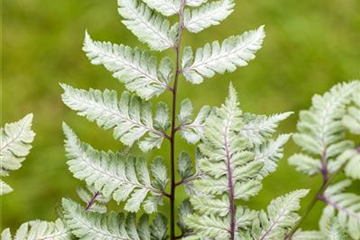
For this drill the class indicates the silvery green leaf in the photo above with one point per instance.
(195, 3)
(309, 235)
(305, 164)
(186, 111)
(344, 206)
(15, 145)
(159, 228)
(125, 178)
(257, 128)
(211, 206)
(4, 188)
(212, 13)
(39, 230)
(352, 168)
(281, 216)
(166, 70)
(161, 120)
(320, 129)
(147, 25)
(335, 231)
(352, 119)
(94, 226)
(159, 172)
(133, 67)
(193, 132)
(165, 7)
(131, 118)
(209, 226)
(270, 153)
(230, 171)
(185, 165)
(245, 217)
(214, 58)
(185, 209)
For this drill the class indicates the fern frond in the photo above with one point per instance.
(147, 25)
(352, 119)
(344, 206)
(226, 153)
(320, 130)
(229, 173)
(214, 58)
(258, 128)
(165, 7)
(15, 144)
(93, 226)
(126, 178)
(135, 68)
(207, 15)
(270, 153)
(191, 131)
(320, 127)
(39, 230)
(280, 217)
(130, 117)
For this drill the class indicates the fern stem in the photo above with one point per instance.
(173, 123)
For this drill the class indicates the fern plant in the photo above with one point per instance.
(327, 152)
(237, 149)
(234, 151)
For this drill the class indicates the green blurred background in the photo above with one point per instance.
(310, 46)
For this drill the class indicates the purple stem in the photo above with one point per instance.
(173, 122)
(92, 201)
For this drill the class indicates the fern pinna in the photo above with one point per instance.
(234, 150)
(322, 132)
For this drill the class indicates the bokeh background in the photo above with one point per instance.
(310, 46)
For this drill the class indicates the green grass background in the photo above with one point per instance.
(310, 46)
